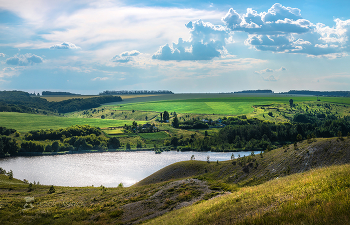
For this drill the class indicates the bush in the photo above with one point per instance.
(51, 190)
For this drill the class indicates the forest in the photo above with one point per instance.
(255, 134)
(19, 101)
(74, 138)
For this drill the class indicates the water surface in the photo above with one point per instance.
(107, 169)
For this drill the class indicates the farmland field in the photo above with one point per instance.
(24, 122)
(154, 136)
(225, 106)
(58, 98)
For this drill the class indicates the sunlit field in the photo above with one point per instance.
(24, 122)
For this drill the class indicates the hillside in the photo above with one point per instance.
(319, 196)
(259, 168)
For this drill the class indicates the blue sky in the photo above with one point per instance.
(184, 46)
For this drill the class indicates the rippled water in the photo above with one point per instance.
(107, 169)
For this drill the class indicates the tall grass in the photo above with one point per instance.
(319, 196)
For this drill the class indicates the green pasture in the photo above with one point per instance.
(24, 122)
(114, 132)
(223, 106)
(154, 136)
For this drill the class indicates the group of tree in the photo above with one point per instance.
(190, 124)
(255, 134)
(322, 93)
(45, 93)
(19, 101)
(135, 92)
(145, 128)
(75, 138)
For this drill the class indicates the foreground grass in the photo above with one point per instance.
(319, 196)
(24, 122)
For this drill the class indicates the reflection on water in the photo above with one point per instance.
(107, 169)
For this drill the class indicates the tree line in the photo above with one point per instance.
(74, 138)
(255, 134)
(136, 92)
(19, 101)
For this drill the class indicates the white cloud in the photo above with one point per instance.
(278, 20)
(100, 78)
(8, 72)
(267, 70)
(64, 45)
(206, 42)
(24, 60)
(283, 30)
(281, 69)
(126, 56)
(2, 55)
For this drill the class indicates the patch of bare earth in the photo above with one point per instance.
(171, 196)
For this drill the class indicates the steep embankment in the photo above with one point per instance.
(259, 168)
(319, 196)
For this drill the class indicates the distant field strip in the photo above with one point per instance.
(225, 106)
(24, 122)
(154, 136)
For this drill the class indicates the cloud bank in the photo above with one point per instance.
(207, 41)
(282, 29)
(24, 60)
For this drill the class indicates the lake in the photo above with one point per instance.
(108, 169)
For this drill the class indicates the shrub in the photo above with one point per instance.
(51, 190)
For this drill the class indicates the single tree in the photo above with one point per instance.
(52, 190)
(291, 102)
(175, 122)
(165, 116)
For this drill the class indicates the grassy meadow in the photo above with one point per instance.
(24, 122)
(223, 106)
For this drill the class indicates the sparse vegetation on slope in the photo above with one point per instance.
(319, 196)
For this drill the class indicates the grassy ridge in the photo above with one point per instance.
(317, 197)
(24, 122)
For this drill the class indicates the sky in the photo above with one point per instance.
(89, 46)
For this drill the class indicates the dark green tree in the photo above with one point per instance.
(291, 102)
(176, 122)
(113, 143)
(165, 116)
(51, 190)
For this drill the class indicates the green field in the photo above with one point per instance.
(154, 136)
(223, 106)
(24, 122)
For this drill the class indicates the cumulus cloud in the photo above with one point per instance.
(2, 55)
(64, 45)
(277, 20)
(24, 60)
(267, 70)
(126, 56)
(281, 69)
(282, 29)
(206, 42)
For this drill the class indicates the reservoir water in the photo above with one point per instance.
(107, 169)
